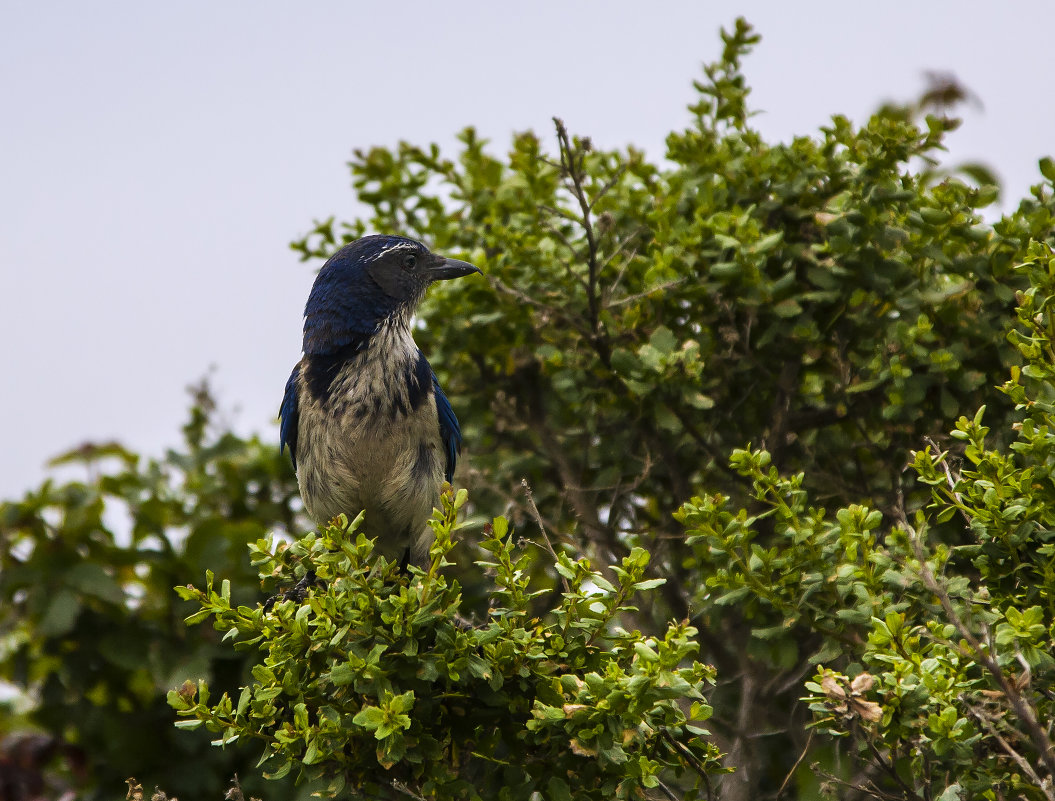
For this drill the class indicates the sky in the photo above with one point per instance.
(156, 159)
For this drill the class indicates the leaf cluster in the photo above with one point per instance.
(372, 683)
(932, 636)
(90, 630)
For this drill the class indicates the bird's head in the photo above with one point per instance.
(368, 282)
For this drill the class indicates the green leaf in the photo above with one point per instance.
(663, 340)
(93, 579)
(565, 566)
(369, 717)
(768, 242)
(558, 789)
(1047, 168)
(787, 308)
(649, 584)
(60, 614)
(282, 772)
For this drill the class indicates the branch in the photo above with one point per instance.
(572, 168)
(1023, 764)
(611, 304)
(609, 184)
(689, 757)
(542, 528)
(795, 767)
(950, 479)
(1022, 708)
(402, 789)
(619, 248)
(580, 503)
(524, 298)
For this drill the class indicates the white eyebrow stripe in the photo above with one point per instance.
(397, 246)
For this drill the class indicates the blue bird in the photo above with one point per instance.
(364, 418)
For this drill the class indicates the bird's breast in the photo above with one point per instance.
(381, 384)
(371, 441)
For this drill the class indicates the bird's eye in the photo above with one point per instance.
(409, 261)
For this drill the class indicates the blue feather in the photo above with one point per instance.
(450, 431)
(288, 415)
(320, 370)
(418, 381)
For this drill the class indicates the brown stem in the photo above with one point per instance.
(1022, 708)
(572, 165)
(538, 520)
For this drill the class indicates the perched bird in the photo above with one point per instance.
(364, 418)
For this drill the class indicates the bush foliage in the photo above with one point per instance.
(372, 682)
(90, 626)
(813, 381)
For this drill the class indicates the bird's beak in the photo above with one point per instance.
(451, 268)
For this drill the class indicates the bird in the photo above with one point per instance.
(367, 426)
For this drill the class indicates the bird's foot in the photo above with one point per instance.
(298, 592)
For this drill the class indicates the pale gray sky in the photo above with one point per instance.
(157, 158)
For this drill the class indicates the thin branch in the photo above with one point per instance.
(541, 527)
(609, 184)
(619, 249)
(866, 786)
(667, 791)
(690, 757)
(572, 321)
(573, 171)
(557, 232)
(795, 767)
(1023, 764)
(720, 462)
(637, 296)
(567, 244)
(579, 499)
(888, 767)
(402, 789)
(556, 212)
(1022, 708)
(523, 297)
(950, 479)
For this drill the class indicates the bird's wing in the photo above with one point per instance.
(289, 417)
(450, 431)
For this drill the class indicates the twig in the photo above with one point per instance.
(566, 264)
(1019, 705)
(568, 268)
(401, 788)
(545, 536)
(611, 182)
(549, 226)
(580, 502)
(719, 461)
(637, 296)
(692, 760)
(950, 479)
(795, 767)
(667, 791)
(1020, 760)
(864, 785)
(608, 290)
(557, 212)
(572, 321)
(573, 171)
(890, 769)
